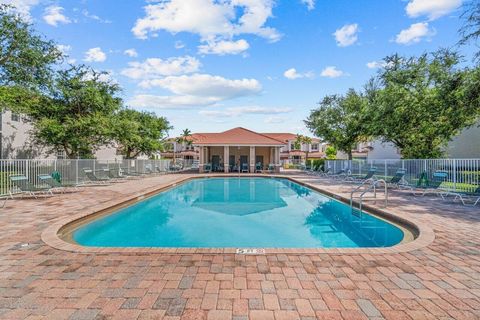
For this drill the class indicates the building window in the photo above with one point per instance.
(315, 147)
(15, 117)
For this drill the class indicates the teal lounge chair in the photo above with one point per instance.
(271, 168)
(398, 179)
(25, 187)
(425, 186)
(258, 168)
(207, 168)
(245, 167)
(55, 184)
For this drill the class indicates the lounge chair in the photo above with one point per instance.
(323, 172)
(369, 176)
(128, 172)
(258, 168)
(90, 174)
(342, 173)
(115, 176)
(245, 167)
(159, 171)
(398, 179)
(425, 186)
(466, 196)
(271, 168)
(57, 185)
(22, 183)
(207, 168)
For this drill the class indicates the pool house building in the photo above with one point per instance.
(237, 150)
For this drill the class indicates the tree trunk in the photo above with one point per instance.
(350, 156)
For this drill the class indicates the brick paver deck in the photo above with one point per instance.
(438, 281)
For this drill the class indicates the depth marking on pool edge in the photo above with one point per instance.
(252, 251)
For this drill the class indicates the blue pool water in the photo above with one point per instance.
(239, 213)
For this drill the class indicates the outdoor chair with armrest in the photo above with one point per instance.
(22, 183)
(56, 185)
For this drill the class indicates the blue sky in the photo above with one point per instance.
(211, 65)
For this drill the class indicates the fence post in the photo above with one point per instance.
(27, 168)
(454, 174)
(76, 171)
(385, 177)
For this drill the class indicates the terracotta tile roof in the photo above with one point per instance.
(235, 136)
(286, 136)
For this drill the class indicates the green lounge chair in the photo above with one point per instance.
(55, 184)
(130, 173)
(465, 196)
(114, 175)
(425, 186)
(90, 174)
(369, 176)
(207, 168)
(271, 168)
(398, 179)
(22, 183)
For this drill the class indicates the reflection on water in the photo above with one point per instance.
(239, 212)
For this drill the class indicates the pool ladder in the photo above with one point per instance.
(366, 187)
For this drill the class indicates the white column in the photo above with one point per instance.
(201, 160)
(252, 159)
(226, 157)
(277, 159)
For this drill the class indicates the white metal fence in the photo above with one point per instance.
(463, 174)
(73, 171)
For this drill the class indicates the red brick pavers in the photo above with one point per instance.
(438, 281)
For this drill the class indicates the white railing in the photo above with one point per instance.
(72, 171)
(463, 174)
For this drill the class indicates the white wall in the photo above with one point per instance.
(466, 144)
(382, 150)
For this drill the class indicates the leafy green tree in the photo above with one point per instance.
(470, 31)
(331, 153)
(76, 117)
(420, 103)
(137, 133)
(26, 61)
(339, 121)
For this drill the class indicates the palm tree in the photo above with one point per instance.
(184, 139)
(302, 140)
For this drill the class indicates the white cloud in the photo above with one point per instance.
(132, 53)
(241, 111)
(332, 72)
(205, 85)
(195, 90)
(346, 35)
(146, 101)
(292, 74)
(22, 7)
(376, 64)
(224, 47)
(414, 34)
(95, 55)
(309, 3)
(94, 17)
(65, 49)
(275, 119)
(210, 19)
(433, 9)
(179, 44)
(156, 67)
(53, 16)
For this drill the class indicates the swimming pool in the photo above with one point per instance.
(240, 212)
